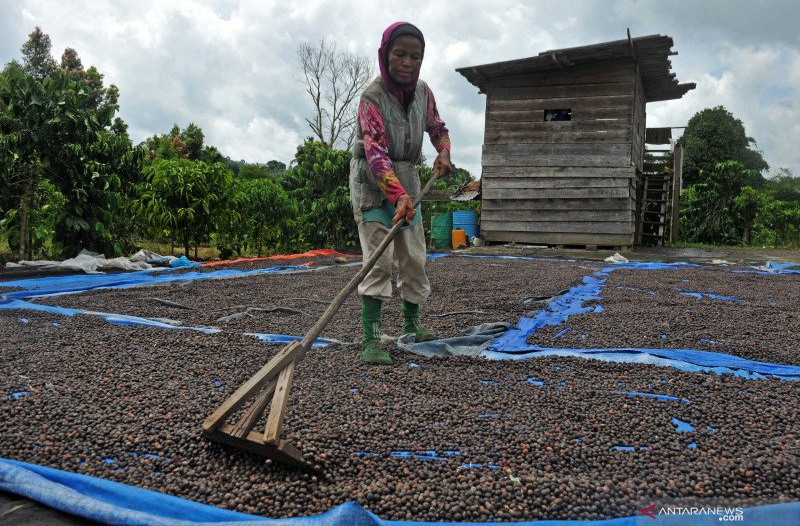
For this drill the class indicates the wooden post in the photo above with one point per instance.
(677, 183)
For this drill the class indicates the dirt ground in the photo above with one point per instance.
(444, 439)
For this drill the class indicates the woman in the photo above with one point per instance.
(394, 111)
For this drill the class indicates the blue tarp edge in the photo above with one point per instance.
(55, 285)
(685, 359)
(110, 502)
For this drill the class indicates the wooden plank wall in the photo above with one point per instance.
(565, 182)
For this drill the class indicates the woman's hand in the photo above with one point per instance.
(404, 207)
(442, 165)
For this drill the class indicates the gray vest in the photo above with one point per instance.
(405, 132)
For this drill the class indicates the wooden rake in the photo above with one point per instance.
(269, 388)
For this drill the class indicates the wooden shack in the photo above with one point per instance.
(564, 141)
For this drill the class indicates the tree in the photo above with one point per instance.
(746, 207)
(211, 155)
(334, 80)
(186, 144)
(272, 169)
(270, 212)
(37, 60)
(784, 186)
(777, 223)
(253, 171)
(714, 136)
(100, 191)
(320, 184)
(266, 216)
(185, 198)
(70, 61)
(56, 128)
(47, 204)
(709, 207)
(193, 138)
(39, 120)
(275, 168)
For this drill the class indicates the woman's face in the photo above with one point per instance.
(405, 59)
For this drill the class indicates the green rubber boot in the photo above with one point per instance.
(411, 323)
(371, 351)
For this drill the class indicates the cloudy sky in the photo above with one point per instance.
(230, 66)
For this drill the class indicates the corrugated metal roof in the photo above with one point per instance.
(651, 52)
(467, 192)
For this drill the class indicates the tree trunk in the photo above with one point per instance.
(25, 209)
(186, 243)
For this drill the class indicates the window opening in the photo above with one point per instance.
(558, 115)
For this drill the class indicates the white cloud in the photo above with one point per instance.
(229, 65)
(260, 138)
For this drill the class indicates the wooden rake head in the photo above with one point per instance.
(269, 390)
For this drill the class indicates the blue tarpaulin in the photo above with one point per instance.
(60, 285)
(513, 344)
(57, 285)
(119, 319)
(110, 502)
(572, 302)
(683, 359)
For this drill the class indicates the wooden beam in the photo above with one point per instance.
(554, 193)
(596, 227)
(280, 451)
(251, 386)
(491, 172)
(534, 215)
(558, 238)
(272, 429)
(574, 103)
(677, 182)
(249, 419)
(547, 183)
(571, 149)
(611, 115)
(505, 160)
(558, 203)
(564, 91)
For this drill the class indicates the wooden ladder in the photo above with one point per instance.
(656, 197)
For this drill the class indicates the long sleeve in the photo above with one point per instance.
(437, 131)
(376, 150)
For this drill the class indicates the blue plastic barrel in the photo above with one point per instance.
(466, 220)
